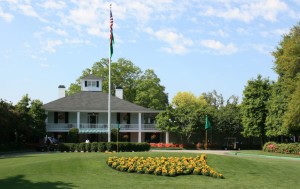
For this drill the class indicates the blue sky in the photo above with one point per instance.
(195, 45)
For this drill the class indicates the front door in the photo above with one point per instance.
(92, 121)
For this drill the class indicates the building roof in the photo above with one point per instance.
(91, 76)
(87, 101)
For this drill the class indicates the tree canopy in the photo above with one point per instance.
(282, 109)
(142, 88)
(254, 107)
(24, 122)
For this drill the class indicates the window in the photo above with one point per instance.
(92, 83)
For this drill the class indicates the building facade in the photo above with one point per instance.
(88, 112)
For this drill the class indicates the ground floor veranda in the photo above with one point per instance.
(151, 137)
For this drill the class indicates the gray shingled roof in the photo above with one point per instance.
(94, 101)
(91, 76)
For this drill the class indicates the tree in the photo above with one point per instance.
(38, 116)
(23, 130)
(130, 77)
(214, 99)
(229, 119)
(149, 92)
(7, 122)
(30, 117)
(182, 116)
(287, 66)
(254, 111)
(291, 119)
(276, 107)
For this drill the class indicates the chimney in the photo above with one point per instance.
(61, 91)
(119, 92)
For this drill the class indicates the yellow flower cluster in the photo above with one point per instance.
(166, 166)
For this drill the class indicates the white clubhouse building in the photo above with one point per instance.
(88, 112)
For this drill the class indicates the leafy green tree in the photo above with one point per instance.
(7, 122)
(287, 65)
(276, 107)
(150, 93)
(214, 99)
(38, 116)
(123, 73)
(144, 89)
(23, 130)
(291, 119)
(165, 120)
(182, 116)
(254, 108)
(229, 119)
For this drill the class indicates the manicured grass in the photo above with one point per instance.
(89, 170)
(260, 152)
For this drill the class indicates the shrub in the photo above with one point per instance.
(94, 147)
(290, 148)
(102, 147)
(73, 135)
(111, 146)
(82, 147)
(88, 147)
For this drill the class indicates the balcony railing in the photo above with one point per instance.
(98, 128)
(60, 126)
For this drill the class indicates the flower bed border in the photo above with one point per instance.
(165, 166)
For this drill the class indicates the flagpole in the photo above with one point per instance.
(109, 91)
(109, 110)
(206, 139)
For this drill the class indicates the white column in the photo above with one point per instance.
(167, 138)
(78, 120)
(140, 128)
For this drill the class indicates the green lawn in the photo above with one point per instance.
(89, 170)
(260, 152)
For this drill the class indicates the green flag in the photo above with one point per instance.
(207, 123)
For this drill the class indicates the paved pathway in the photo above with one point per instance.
(219, 152)
(230, 153)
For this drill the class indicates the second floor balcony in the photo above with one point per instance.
(100, 127)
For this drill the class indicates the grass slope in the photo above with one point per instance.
(89, 170)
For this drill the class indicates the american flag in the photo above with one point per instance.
(111, 38)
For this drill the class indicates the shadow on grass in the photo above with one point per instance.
(18, 181)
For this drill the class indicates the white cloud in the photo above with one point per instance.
(44, 65)
(6, 16)
(219, 47)
(51, 44)
(57, 31)
(177, 42)
(35, 57)
(281, 31)
(220, 33)
(275, 32)
(262, 48)
(268, 10)
(28, 10)
(77, 41)
(50, 4)
(243, 31)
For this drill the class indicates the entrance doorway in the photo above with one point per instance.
(92, 120)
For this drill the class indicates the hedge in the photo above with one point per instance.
(104, 146)
(289, 148)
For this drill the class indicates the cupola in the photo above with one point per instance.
(91, 83)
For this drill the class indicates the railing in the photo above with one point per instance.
(100, 127)
(60, 126)
(149, 127)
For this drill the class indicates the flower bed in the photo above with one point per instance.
(166, 166)
(289, 148)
